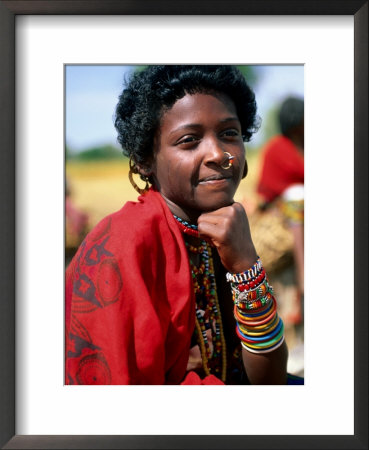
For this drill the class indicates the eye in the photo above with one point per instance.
(188, 141)
(232, 132)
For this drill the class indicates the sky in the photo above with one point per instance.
(92, 93)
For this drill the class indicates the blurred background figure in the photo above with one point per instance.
(282, 175)
(281, 193)
(76, 224)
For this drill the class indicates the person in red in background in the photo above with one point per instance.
(282, 178)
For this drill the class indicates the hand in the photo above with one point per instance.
(228, 229)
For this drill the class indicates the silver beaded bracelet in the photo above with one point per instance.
(247, 275)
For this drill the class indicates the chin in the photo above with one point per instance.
(212, 203)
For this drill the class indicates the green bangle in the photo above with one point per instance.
(270, 343)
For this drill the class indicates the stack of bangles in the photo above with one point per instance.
(255, 309)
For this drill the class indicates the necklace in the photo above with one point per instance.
(186, 227)
(208, 317)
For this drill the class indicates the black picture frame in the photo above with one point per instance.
(8, 10)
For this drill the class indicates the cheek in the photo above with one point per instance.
(243, 167)
(241, 161)
(181, 168)
(171, 173)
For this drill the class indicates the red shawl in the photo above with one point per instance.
(130, 307)
(282, 166)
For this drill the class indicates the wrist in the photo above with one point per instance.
(244, 263)
(258, 325)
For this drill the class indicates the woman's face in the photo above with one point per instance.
(190, 151)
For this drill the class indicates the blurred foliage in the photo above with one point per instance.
(139, 68)
(249, 73)
(105, 152)
(271, 123)
(68, 152)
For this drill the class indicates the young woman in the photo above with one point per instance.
(170, 290)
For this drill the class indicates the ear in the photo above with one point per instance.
(245, 170)
(144, 170)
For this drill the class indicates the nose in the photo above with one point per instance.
(215, 152)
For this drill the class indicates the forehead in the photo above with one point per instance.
(197, 108)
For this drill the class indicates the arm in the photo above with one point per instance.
(266, 369)
(229, 231)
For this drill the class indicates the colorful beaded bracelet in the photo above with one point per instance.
(248, 275)
(249, 296)
(253, 305)
(254, 323)
(251, 284)
(255, 292)
(255, 317)
(256, 313)
(258, 325)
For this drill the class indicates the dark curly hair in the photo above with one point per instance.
(155, 89)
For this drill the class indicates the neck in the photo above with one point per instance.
(189, 216)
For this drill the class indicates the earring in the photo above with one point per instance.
(230, 159)
(133, 170)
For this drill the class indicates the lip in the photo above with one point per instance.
(214, 179)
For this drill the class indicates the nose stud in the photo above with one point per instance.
(229, 161)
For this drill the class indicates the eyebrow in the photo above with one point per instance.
(199, 125)
(230, 119)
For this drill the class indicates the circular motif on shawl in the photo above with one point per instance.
(93, 369)
(109, 281)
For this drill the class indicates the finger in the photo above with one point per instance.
(216, 217)
(214, 220)
(225, 217)
(234, 209)
(211, 227)
(212, 231)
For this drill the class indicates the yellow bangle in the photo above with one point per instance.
(261, 346)
(272, 326)
(255, 319)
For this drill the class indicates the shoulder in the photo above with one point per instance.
(133, 231)
(132, 219)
